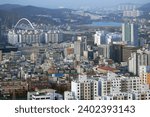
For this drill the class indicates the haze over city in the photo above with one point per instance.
(72, 3)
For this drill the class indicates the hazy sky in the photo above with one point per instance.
(72, 3)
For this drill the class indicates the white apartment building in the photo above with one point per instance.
(99, 38)
(109, 84)
(54, 36)
(116, 96)
(130, 84)
(12, 37)
(141, 57)
(132, 13)
(24, 37)
(113, 83)
(144, 95)
(110, 87)
(113, 37)
(84, 89)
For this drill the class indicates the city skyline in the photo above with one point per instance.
(73, 3)
(75, 50)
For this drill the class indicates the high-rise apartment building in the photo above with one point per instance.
(104, 50)
(24, 37)
(54, 36)
(130, 34)
(109, 87)
(80, 45)
(114, 84)
(78, 50)
(116, 52)
(113, 37)
(84, 43)
(132, 13)
(12, 37)
(84, 89)
(99, 38)
(124, 7)
(141, 57)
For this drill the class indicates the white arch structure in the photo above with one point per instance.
(24, 19)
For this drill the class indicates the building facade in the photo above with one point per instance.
(44, 94)
(84, 89)
(99, 38)
(144, 74)
(113, 83)
(130, 34)
(25, 37)
(132, 13)
(54, 36)
(141, 57)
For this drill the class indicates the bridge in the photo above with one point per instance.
(21, 25)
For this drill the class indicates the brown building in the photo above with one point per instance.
(13, 89)
(126, 52)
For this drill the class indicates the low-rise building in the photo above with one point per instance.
(68, 95)
(45, 94)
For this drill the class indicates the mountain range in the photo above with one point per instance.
(11, 13)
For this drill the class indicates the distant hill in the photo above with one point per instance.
(11, 13)
(145, 7)
(9, 6)
(146, 10)
(32, 10)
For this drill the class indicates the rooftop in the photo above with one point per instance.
(107, 68)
